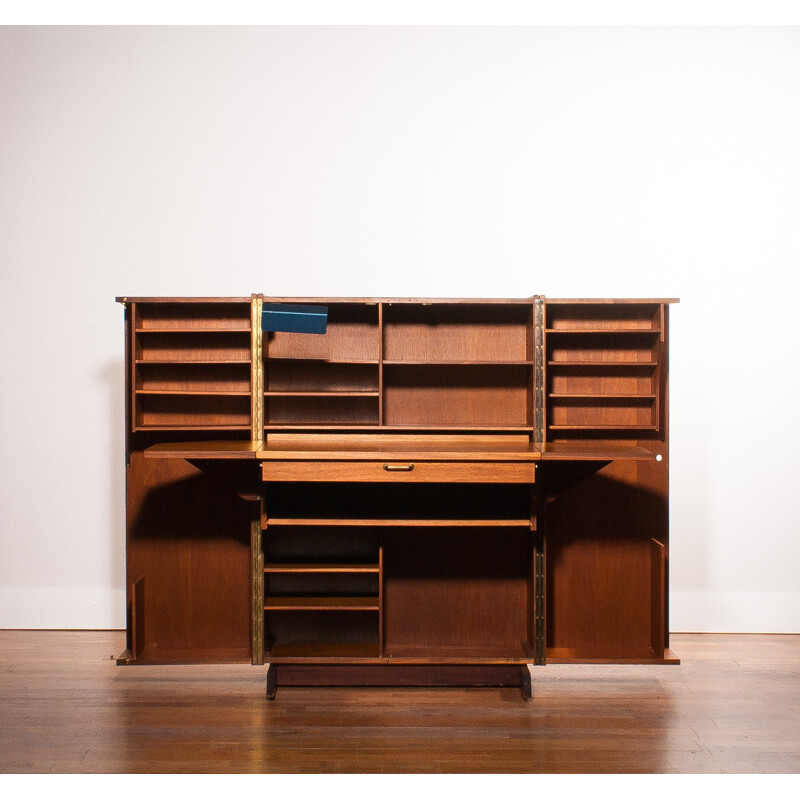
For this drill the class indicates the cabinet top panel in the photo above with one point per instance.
(598, 300)
(126, 299)
(410, 300)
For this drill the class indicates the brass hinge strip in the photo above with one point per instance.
(538, 372)
(256, 370)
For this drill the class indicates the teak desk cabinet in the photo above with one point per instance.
(430, 492)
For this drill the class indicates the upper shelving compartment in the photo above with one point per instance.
(193, 347)
(631, 347)
(191, 365)
(603, 376)
(588, 318)
(192, 317)
(466, 333)
(352, 337)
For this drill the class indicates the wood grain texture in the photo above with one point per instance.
(189, 536)
(599, 565)
(432, 446)
(732, 706)
(399, 471)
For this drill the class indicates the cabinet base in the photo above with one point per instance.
(398, 675)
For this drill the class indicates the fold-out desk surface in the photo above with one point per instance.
(223, 449)
(330, 447)
(563, 451)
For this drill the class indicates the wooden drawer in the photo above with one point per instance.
(401, 471)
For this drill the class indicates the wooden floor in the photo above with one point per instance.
(733, 705)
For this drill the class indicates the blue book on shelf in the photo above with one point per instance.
(294, 318)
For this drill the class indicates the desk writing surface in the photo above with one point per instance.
(359, 448)
(216, 449)
(380, 447)
(582, 451)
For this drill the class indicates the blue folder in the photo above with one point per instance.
(293, 318)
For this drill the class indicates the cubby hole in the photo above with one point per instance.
(323, 411)
(440, 332)
(603, 316)
(186, 347)
(352, 336)
(172, 412)
(193, 316)
(311, 376)
(453, 595)
(193, 378)
(608, 348)
(301, 634)
(482, 396)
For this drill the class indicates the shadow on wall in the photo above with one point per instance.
(112, 375)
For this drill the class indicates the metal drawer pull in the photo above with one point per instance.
(398, 467)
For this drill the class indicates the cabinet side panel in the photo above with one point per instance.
(599, 528)
(189, 538)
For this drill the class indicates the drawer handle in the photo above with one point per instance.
(398, 467)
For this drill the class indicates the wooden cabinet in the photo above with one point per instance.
(431, 492)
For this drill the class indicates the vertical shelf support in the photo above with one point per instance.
(256, 369)
(539, 643)
(538, 372)
(257, 589)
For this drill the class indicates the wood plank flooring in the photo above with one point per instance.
(733, 705)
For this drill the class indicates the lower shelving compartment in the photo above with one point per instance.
(456, 598)
(321, 635)
(433, 596)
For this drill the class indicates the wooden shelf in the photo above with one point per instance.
(203, 427)
(192, 392)
(315, 652)
(590, 451)
(398, 523)
(342, 361)
(206, 361)
(321, 604)
(520, 653)
(603, 427)
(405, 428)
(221, 449)
(604, 331)
(190, 330)
(322, 394)
(603, 364)
(598, 396)
(321, 568)
(434, 363)
(315, 426)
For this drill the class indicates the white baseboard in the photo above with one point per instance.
(93, 608)
(734, 612)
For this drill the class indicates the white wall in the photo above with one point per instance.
(401, 161)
